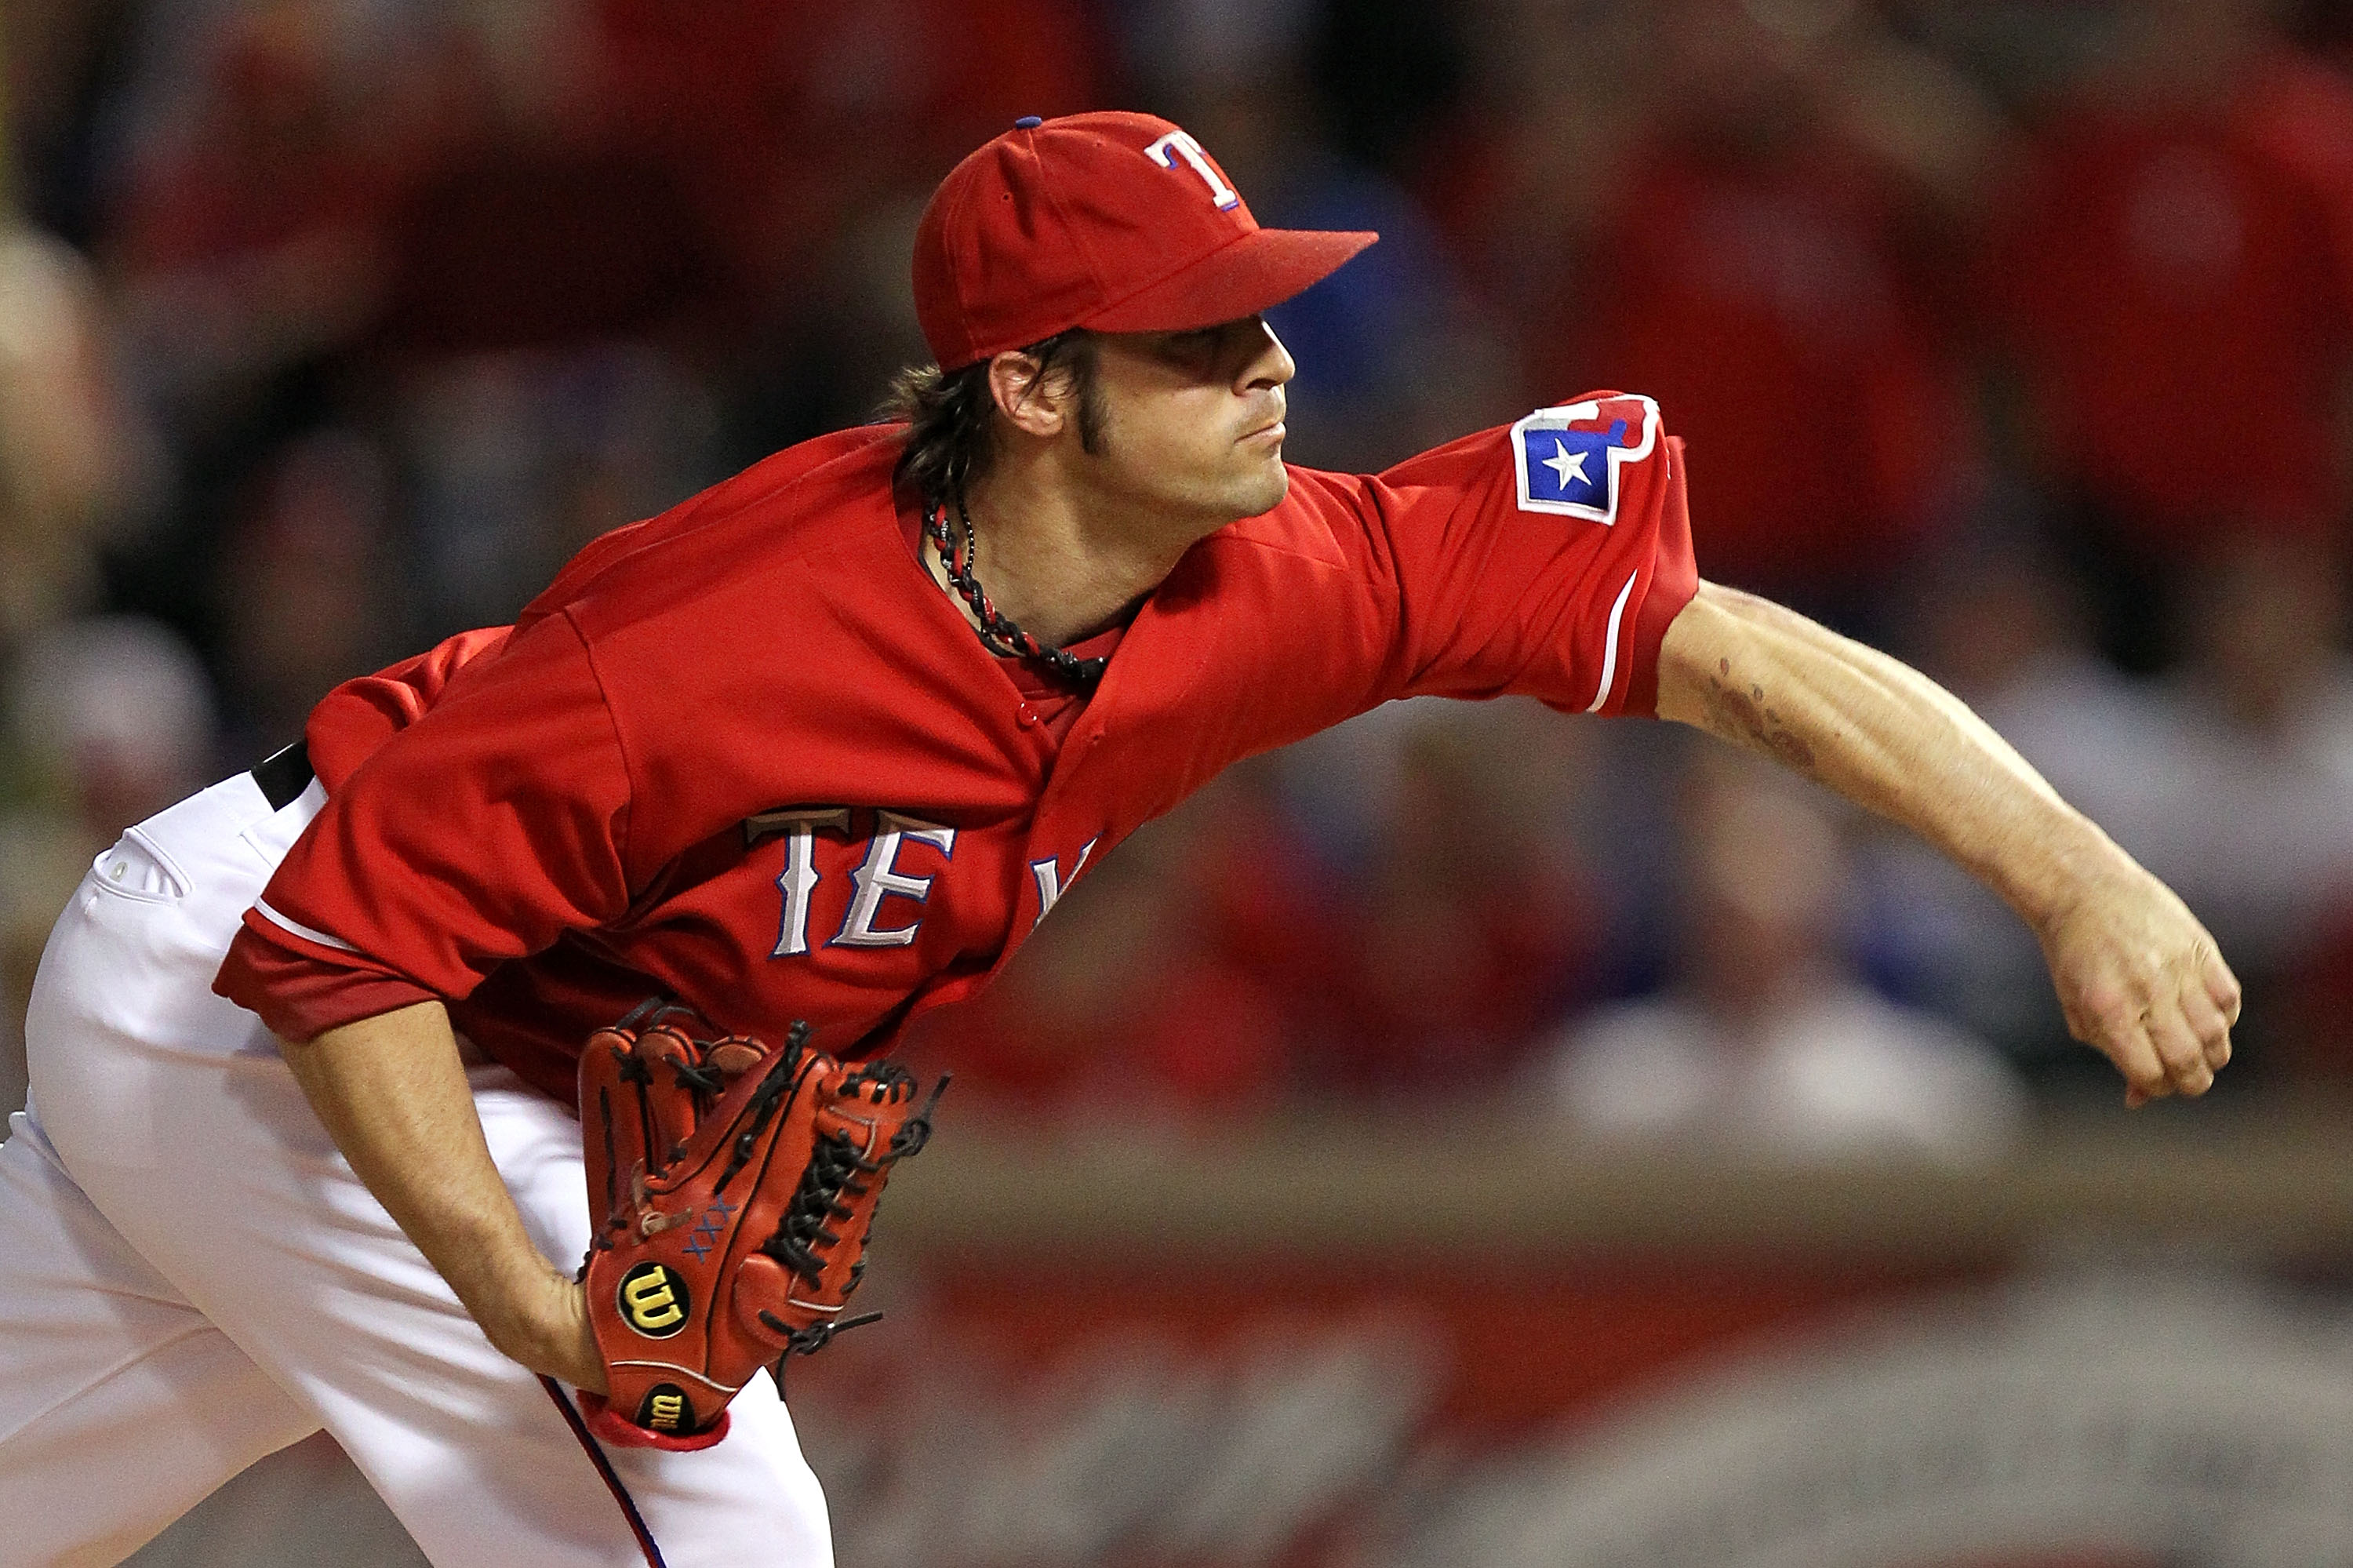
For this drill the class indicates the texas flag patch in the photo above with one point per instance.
(1567, 458)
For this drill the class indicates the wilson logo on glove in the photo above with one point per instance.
(654, 1301)
(735, 1187)
(665, 1408)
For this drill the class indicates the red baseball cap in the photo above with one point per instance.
(1114, 221)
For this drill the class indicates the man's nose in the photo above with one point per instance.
(1272, 365)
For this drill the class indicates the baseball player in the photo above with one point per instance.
(825, 744)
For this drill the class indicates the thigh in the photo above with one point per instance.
(483, 1462)
(121, 1406)
(190, 1135)
(517, 1463)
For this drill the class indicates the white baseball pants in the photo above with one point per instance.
(192, 1277)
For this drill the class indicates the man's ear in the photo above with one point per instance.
(1036, 405)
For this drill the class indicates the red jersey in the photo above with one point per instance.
(748, 753)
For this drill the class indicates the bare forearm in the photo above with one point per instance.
(393, 1094)
(2138, 977)
(1881, 733)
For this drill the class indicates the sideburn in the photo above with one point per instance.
(1074, 354)
(1092, 412)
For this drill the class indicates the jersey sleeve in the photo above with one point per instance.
(478, 834)
(361, 715)
(1544, 558)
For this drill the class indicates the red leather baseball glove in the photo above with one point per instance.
(734, 1186)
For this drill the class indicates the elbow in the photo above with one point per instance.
(1700, 657)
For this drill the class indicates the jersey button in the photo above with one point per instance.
(1029, 715)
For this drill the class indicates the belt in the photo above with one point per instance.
(284, 776)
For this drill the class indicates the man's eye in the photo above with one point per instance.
(1196, 347)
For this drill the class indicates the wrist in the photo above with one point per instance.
(2057, 867)
(570, 1353)
(542, 1322)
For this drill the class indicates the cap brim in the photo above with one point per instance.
(1257, 271)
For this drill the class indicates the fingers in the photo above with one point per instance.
(2119, 1031)
(2167, 1047)
(2221, 987)
(2211, 1024)
(2179, 1047)
(2142, 983)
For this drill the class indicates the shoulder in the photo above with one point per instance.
(804, 499)
(1562, 459)
(1310, 523)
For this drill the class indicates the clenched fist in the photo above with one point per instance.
(2142, 981)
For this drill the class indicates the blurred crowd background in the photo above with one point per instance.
(2015, 336)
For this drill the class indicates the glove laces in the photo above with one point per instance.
(803, 1235)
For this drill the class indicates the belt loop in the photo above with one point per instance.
(284, 775)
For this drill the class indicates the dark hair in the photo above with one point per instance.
(952, 419)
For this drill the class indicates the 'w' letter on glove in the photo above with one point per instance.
(733, 1187)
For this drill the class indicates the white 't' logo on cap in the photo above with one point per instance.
(1178, 144)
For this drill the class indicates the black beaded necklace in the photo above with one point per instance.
(998, 632)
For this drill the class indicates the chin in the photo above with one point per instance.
(1267, 490)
